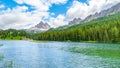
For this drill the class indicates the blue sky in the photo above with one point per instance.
(11, 4)
(62, 9)
(55, 8)
(19, 14)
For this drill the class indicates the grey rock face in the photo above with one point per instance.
(43, 25)
(75, 21)
(40, 27)
(112, 10)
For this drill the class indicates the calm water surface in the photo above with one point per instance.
(25, 54)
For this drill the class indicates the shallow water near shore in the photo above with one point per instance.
(26, 54)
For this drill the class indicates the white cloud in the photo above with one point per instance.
(58, 21)
(38, 4)
(41, 5)
(81, 10)
(18, 17)
(57, 1)
(2, 6)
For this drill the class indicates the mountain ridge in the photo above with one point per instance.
(112, 10)
(40, 27)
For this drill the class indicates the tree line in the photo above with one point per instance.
(104, 29)
(13, 34)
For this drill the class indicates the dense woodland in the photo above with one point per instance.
(104, 29)
(13, 34)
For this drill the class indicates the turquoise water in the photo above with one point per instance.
(26, 54)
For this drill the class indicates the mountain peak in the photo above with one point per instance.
(112, 10)
(42, 25)
(75, 21)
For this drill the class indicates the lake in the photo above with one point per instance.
(26, 54)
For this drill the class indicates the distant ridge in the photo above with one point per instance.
(75, 21)
(40, 27)
(112, 10)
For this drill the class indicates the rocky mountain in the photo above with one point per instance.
(112, 10)
(40, 27)
(75, 21)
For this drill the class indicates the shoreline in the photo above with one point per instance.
(61, 41)
(76, 41)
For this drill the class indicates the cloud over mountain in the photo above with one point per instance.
(28, 13)
(82, 10)
(20, 17)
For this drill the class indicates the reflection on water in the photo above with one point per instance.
(26, 54)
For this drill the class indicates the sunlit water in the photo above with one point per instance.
(25, 54)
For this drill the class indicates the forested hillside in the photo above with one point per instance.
(13, 34)
(104, 29)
